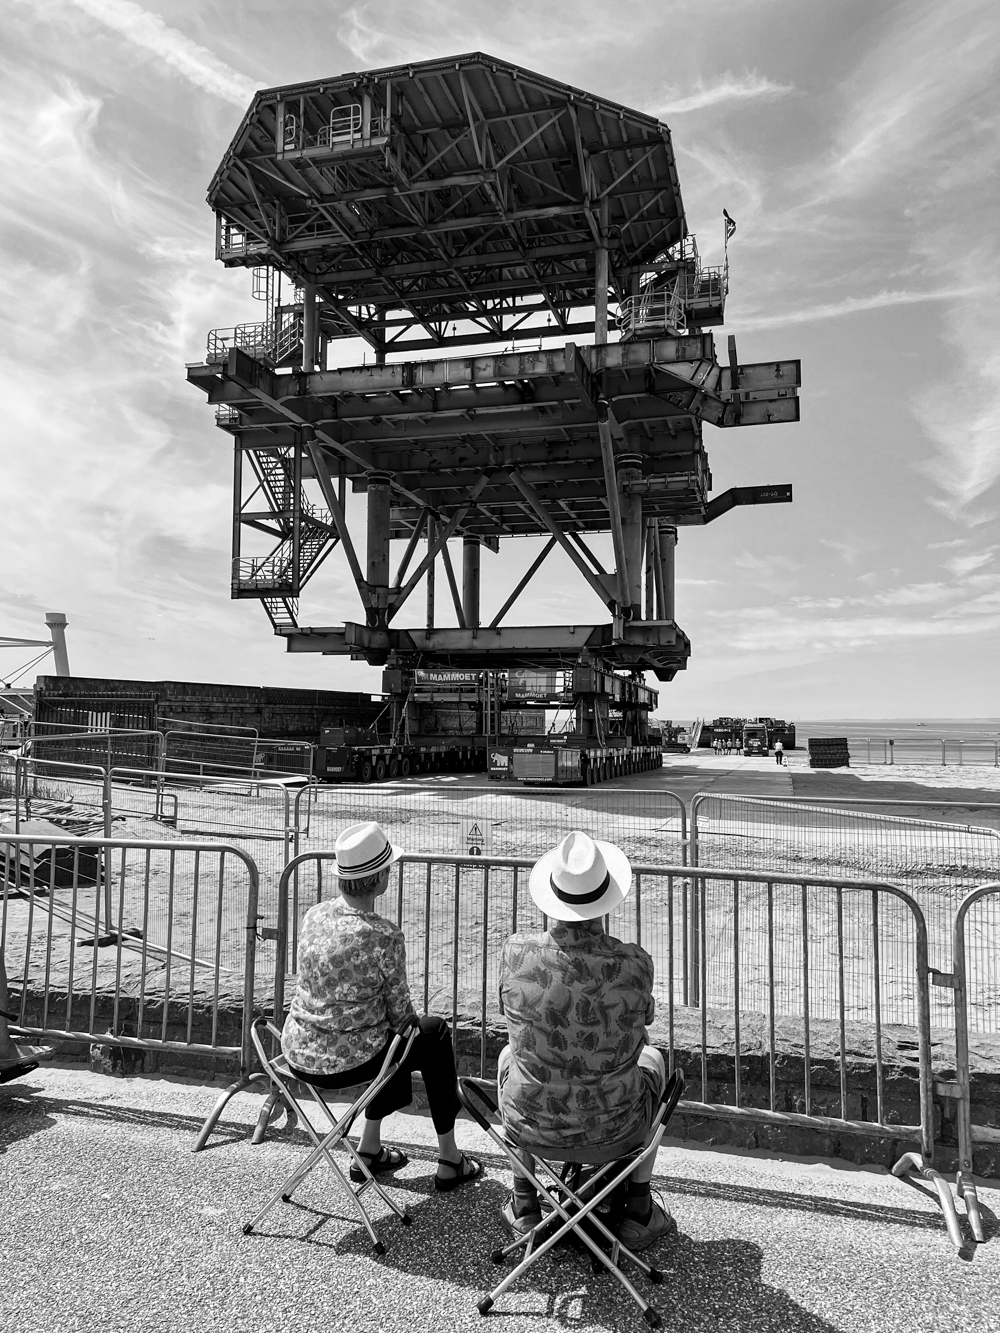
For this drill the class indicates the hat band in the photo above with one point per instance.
(370, 866)
(580, 898)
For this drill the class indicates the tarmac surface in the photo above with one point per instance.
(109, 1222)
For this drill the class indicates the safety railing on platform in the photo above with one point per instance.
(144, 945)
(936, 861)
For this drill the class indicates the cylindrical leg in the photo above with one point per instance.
(668, 543)
(471, 553)
(309, 324)
(379, 500)
(629, 468)
(431, 539)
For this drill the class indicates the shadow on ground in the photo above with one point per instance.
(707, 1284)
(22, 1112)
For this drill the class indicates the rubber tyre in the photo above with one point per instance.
(394, 768)
(379, 769)
(365, 771)
(590, 778)
(404, 766)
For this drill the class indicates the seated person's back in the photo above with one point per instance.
(577, 1002)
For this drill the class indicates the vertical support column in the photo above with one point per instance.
(652, 556)
(668, 545)
(629, 470)
(56, 621)
(471, 552)
(379, 501)
(601, 278)
(309, 326)
(431, 539)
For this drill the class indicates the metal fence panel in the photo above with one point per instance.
(131, 943)
(649, 824)
(937, 862)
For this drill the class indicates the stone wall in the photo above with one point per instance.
(899, 1052)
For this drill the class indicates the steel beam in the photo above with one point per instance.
(539, 510)
(523, 582)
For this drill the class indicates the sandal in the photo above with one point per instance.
(469, 1168)
(386, 1159)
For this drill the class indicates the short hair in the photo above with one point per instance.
(364, 884)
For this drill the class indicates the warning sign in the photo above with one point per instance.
(475, 834)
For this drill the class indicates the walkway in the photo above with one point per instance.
(110, 1223)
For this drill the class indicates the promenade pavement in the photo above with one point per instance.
(109, 1222)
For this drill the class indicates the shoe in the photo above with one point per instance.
(640, 1235)
(386, 1159)
(519, 1223)
(469, 1168)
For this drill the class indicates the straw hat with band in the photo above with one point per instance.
(581, 879)
(363, 849)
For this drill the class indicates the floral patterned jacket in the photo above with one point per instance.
(577, 1002)
(352, 992)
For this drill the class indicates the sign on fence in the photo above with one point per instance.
(475, 837)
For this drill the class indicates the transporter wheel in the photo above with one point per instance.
(394, 767)
(588, 775)
(379, 769)
(365, 771)
(404, 766)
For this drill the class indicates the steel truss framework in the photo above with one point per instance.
(437, 206)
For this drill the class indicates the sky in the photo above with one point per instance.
(855, 144)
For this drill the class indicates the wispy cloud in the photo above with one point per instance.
(850, 305)
(728, 88)
(961, 565)
(193, 62)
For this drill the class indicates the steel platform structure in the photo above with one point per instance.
(449, 213)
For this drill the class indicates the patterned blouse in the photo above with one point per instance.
(577, 1002)
(352, 992)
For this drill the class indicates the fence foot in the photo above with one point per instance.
(912, 1161)
(240, 1085)
(965, 1188)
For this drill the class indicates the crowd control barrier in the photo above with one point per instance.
(171, 968)
(975, 980)
(778, 957)
(500, 820)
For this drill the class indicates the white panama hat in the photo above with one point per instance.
(363, 849)
(580, 879)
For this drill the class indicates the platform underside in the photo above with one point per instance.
(641, 645)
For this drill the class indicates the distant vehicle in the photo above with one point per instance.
(755, 738)
(732, 731)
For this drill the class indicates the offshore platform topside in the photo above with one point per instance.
(431, 209)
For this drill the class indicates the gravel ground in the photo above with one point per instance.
(111, 1223)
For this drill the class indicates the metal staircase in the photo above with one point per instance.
(277, 578)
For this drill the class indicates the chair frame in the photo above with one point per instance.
(277, 1069)
(573, 1203)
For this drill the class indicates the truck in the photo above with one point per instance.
(759, 733)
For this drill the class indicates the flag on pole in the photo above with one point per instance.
(730, 226)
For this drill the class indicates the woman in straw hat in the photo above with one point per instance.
(352, 996)
(578, 1075)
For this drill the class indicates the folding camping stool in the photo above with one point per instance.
(284, 1084)
(573, 1196)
